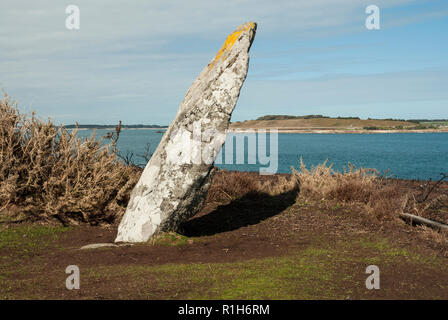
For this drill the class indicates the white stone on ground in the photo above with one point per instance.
(98, 245)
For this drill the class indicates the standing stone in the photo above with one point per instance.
(174, 184)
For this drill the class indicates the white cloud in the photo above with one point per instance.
(147, 52)
(342, 91)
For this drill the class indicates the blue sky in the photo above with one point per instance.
(134, 60)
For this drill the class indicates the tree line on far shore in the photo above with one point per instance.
(319, 116)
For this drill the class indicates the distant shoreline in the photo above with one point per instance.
(348, 125)
(305, 131)
(113, 128)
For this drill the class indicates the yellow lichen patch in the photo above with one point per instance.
(230, 41)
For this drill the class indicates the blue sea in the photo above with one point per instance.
(405, 155)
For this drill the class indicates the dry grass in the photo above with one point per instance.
(382, 198)
(50, 173)
(231, 185)
(439, 238)
(354, 186)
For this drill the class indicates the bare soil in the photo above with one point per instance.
(270, 247)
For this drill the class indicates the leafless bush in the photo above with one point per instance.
(147, 154)
(430, 200)
(128, 157)
(49, 172)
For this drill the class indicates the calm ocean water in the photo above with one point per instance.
(406, 155)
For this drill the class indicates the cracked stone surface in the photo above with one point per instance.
(175, 182)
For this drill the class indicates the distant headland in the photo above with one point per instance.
(110, 126)
(325, 124)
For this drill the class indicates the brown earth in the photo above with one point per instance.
(252, 247)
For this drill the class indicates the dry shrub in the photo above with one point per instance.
(353, 186)
(436, 238)
(434, 208)
(231, 185)
(283, 184)
(49, 172)
(386, 202)
(322, 181)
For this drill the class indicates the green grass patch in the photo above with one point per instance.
(322, 271)
(327, 269)
(383, 247)
(171, 239)
(25, 239)
(289, 277)
(386, 251)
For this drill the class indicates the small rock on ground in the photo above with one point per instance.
(98, 245)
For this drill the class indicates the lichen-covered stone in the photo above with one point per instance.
(174, 183)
